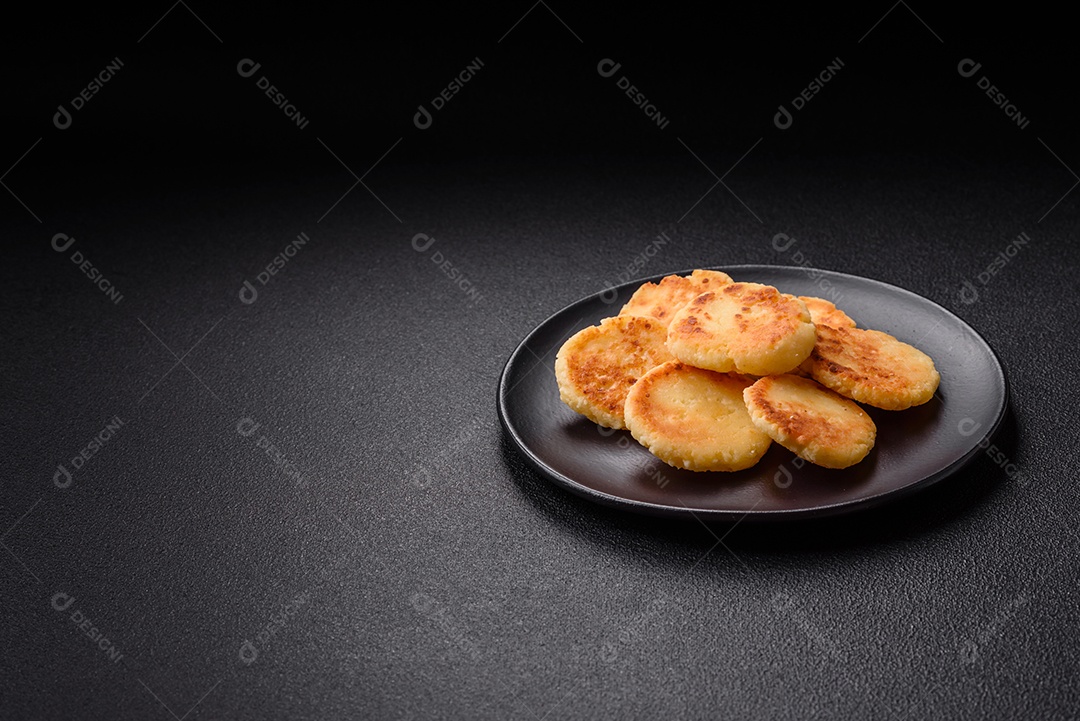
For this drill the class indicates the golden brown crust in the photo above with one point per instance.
(662, 300)
(824, 312)
(694, 419)
(872, 367)
(811, 421)
(709, 279)
(598, 365)
(744, 327)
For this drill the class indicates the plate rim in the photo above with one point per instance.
(715, 514)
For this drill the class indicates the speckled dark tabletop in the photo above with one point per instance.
(252, 463)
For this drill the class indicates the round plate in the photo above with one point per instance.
(915, 448)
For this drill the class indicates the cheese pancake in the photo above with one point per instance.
(744, 327)
(662, 300)
(596, 367)
(873, 368)
(810, 420)
(694, 419)
(824, 312)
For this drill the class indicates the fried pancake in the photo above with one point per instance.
(811, 421)
(744, 327)
(798, 370)
(709, 279)
(823, 312)
(694, 419)
(872, 367)
(662, 300)
(596, 367)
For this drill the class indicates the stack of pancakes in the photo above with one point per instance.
(706, 373)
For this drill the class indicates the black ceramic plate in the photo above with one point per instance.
(915, 448)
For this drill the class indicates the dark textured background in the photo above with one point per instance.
(417, 569)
